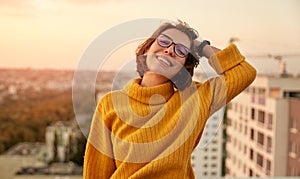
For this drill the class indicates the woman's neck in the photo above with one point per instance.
(153, 79)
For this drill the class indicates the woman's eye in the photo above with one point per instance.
(165, 42)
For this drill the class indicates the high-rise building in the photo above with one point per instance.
(263, 128)
(207, 156)
(294, 139)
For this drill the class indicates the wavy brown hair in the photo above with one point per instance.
(184, 77)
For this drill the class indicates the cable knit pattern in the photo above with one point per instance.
(150, 132)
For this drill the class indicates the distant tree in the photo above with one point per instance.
(26, 119)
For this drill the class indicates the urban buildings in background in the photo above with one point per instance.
(263, 126)
(50, 158)
(61, 141)
(262, 132)
(208, 155)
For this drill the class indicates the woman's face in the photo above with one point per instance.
(166, 59)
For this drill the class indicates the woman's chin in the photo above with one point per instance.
(161, 74)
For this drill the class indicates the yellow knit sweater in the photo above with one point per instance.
(150, 132)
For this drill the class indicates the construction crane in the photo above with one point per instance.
(279, 58)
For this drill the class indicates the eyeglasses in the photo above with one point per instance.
(166, 41)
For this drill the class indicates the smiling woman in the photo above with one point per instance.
(150, 128)
(165, 58)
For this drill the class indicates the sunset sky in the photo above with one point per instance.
(55, 33)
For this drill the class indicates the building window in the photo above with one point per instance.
(293, 123)
(252, 113)
(241, 109)
(253, 95)
(253, 91)
(251, 154)
(252, 134)
(228, 122)
(259, 160)
(234, 159)
(269, 144)
(214, 149)
(215, 125)
(245, 132)
(240, 127)
(228, 155)
(250, 172)
(247, 90)
(262, 95)
(270, 121)
(268, 167)
(227, 171)
(228, 139)
(260, 138)
(293, 147)
(261, 116)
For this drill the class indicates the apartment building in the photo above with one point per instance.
(61, 141)
(207, 156)
(263, 126)
(294, 139)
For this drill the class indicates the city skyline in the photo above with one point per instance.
(54, 34)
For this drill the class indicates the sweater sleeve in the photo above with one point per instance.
(96, 164)
(235, 74)
(226, 59)
(98, 159)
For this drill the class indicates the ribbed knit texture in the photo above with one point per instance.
(150, 132)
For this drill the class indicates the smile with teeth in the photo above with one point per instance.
(164, 61)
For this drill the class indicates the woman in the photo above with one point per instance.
(150, 128)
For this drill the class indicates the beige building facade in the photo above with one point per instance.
(259, 130)
(207, 156)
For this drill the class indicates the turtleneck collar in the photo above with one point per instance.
(143, 94)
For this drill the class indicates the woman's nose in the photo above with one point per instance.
(170, 50)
